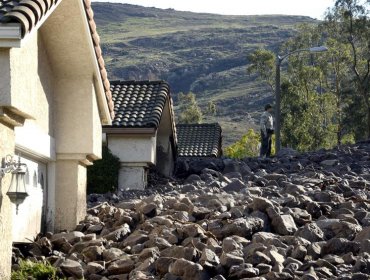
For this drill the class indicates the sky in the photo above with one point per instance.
(312, 8)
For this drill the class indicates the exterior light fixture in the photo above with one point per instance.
(17, 191)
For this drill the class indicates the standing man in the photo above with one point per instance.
(267, 129)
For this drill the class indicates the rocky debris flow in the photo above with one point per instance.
(296, 216)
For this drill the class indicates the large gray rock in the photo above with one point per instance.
(186, 269)
(235, 186)
(338, 228)
(122, 266)
(261, 204)
(94, 268)
(363, 234)
(310, 232)
(112, 254)
(209, 258)
(243, 271)
(135, 238)
(162, 264)
(69, 236)
(72, 268)
(339, 246)
(228, 260)
(243, 227)
(118, 234)
(179, 252)
(150, 209)
(92, 253)
(229, 244)
(284, 225)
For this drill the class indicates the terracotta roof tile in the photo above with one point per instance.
(139, 103)
(36, 8)
(199, 140)
(29, 12)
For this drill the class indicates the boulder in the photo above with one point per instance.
(72, 268)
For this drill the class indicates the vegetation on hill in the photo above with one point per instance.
(205, 54)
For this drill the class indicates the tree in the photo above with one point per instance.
(350, 19)
(262, 63)
(335, 67)
(308, 108)
(190, 112)
(211, 108)
(307, 118)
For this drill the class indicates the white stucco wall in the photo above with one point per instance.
(32, 93)
(32, 139)
(70, 198)
(136, 153)
(31, 82)
(6, 147)
(133, 149)
(132, 177)
(77, 127)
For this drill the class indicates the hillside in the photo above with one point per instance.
(202, 53)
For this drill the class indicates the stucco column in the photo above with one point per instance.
(132, 176)
(70, 194)
(6, 147)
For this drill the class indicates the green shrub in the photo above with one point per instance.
(102, 177)
(348, 139)
(35, 271)
(247, 146)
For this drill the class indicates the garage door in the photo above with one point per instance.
(28, 222)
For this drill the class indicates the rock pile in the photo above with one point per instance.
(296, 216)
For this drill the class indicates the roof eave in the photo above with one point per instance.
(25, 34)
(10, 35)
(145, 131)
(105, 115)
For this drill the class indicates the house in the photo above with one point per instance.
(199, 140)
(143, 132)
(199, 146)
(54, 99)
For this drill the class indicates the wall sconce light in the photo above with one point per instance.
(17, 191)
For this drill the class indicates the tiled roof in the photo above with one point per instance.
(139, 103)
(28, 13)
(199, 140)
